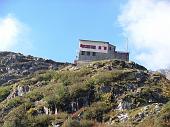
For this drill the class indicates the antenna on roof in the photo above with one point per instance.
(127, 44)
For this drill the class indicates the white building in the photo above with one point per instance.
(90, 50)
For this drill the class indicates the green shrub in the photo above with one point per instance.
(86, 123)
(62, 115)
(107, 77)
(72, 77)
(107, 98)
(78, 90)
(56, 95)
(164, 118)
(4, 92)
(96, 111)
(34, 95)
(47, 76)
(166, 108)
(14, 102)
(71, 123)
(32, 111)
(39, 121)
(16, 118)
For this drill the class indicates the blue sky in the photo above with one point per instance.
(56, 25)
(51, 28)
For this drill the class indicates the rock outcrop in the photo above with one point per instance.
(14, 66)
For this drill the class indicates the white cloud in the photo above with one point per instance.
(147, 25)
(13, 34)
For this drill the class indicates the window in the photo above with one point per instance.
(93, 47)
(82, 52)
(88, 46)
(110, 48)
(84, 46)
(105, 48)
(99, 47)
(88, 53)
(94, 53)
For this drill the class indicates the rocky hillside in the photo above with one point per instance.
(165, 72)
(101, 94)
(14, 66)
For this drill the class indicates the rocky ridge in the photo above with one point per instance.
(165, 72)
(14, 66)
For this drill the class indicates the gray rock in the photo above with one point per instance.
(139, 117)
(19, 91)
(105, 89)
(123, 105)
(14, 66)
(123, 117)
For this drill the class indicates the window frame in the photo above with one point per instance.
(94, 54)
(105, 48)
(83, 53)
(88, 53)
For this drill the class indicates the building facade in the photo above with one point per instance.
(90, 50)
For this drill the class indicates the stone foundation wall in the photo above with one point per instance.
(103, 56)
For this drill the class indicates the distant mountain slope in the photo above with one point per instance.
(14, 66)
(109, 93)
(165, 72)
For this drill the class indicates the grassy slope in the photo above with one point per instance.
(59, 88)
